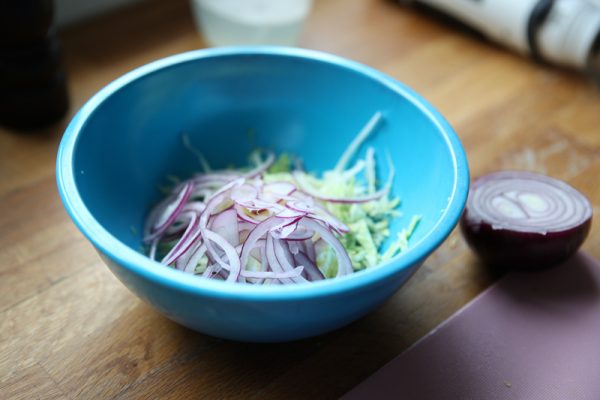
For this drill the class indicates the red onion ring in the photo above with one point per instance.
(166, 213)
(344, 262)
(273, 260)
(187, 239)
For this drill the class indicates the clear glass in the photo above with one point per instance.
(248, 22)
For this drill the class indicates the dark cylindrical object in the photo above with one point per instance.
(33, 84)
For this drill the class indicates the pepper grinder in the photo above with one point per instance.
(33, 84)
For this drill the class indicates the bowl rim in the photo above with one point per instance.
(139, 264)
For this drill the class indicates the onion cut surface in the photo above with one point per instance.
(516, 219)
(271, 225)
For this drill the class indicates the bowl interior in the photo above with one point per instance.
(231, 103)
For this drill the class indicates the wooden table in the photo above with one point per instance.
(69, 329)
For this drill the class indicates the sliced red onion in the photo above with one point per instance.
(257, 233)
(181, 222)
(244, 194)
(194, 258)
(296, 272)
(285, 259)
(217, 203)
(273, 260)
(295, 246)
(344, 262)
(187, 239)
(258, 255)
(275, 191)
(208, 272)
(319, 213)
(214, 253)
(284, 231)
(167, 214)
(301, 206)
(195, 206)
(289, 213)
(525, 220)
(262, 205)
(235, 183)
(291, 232)
(215, 178)
(234, 261)
(245, 225)
(201, 189)
(220, 273)
(310, 250)
(313, 273)
(225, 224)
(254, 216)
(245, 215)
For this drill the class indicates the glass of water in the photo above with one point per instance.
(250, 22)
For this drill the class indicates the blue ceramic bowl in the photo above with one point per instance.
(127, 138)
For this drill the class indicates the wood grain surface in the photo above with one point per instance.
(69, 329)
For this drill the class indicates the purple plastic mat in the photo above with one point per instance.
(533, 336)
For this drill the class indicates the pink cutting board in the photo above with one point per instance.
(533, 336)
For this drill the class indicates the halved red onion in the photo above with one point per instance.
(517, 219)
